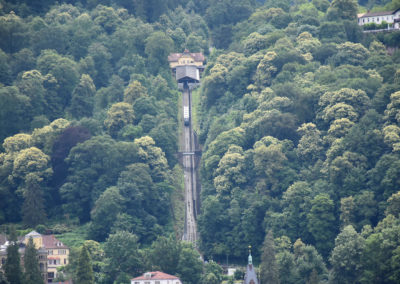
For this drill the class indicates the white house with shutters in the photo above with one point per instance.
(390, 17)
(156, 277)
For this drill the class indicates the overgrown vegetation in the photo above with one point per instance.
(297, 114)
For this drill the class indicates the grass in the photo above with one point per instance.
(178, 201)
(195, 107)
(74, 238)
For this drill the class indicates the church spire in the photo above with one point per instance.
(250, 257)
(251, 275)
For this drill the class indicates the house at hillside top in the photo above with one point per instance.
(186, 66)
(156, 277)
(390, 17)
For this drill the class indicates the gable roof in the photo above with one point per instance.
(156, 275)
(376, 14)
(197, 56)
(49, 241)
(187, 73)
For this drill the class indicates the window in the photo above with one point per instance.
(157, 282)
(148, 282)
(62, 251)
(50, 252)
(41, 266)
(50, 275)
(65, 261)
(137, 282)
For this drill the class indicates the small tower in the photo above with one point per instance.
(251, 275)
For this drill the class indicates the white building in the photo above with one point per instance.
(390, 17)
(156, 277)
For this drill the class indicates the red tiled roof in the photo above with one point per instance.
(49, 241)
(156, 275)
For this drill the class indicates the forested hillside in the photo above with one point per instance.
(300, 126)
(298, 117)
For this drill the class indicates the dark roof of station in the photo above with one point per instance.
(187, 72)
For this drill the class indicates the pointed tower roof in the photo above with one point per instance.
(251, 275)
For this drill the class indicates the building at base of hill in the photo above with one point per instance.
(156, 277)
(52, 253)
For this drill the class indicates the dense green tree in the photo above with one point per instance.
(94, 165)
(158, 47)
(153, 156)
(190, 266)
(15, 111)
(310, 264)
(32, 273)
(230, 171)
(61, 148)
(123, 255)
(104, 213)
(84, 273)
(31, 85)
(165, 253)
(3, 279)
(134, 91)
(118, 116)
(33, 208)
(296, 201)
(393, 207)
(212, 273)
(343, 9)
(12, 266)
(350, 53)
(12, 32)
(380, 251)
(82, 98)
(321, 222)
(269, 269)
(346, 257)
(65, 72)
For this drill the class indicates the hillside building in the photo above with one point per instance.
(186, 66)
(390, 17)
(156, 277)
(42, 253)
(52, 253)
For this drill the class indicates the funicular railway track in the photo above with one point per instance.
(190, 229)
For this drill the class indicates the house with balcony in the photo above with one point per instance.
(57, 255)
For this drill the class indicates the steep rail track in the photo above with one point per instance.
(188, 161)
